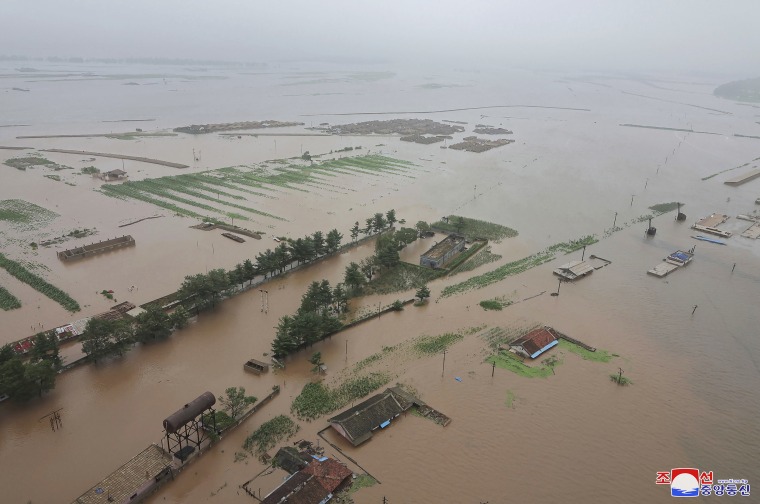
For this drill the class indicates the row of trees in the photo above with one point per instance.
(22, 380)
(386, 256)
(104, 338)
(317, 317)
(375, 224)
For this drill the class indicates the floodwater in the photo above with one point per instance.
(572, 437)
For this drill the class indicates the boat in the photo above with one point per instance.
(256, 367)
(711, 240)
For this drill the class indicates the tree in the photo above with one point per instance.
(397, 305)
(319, 243)
(355, 231)
(369, 222)
(178, 318)
(368, 266)
(249, 271)
(284, 341)
(379, 222)
(306, 156)
(422, 293)
(459, 224)
(219, 282)
(340, 298)
(353, 277)
(235, 401)
(333, 240)
(198, 289)
(152, 325)
(316, 360)
(237, 276)
(265, 262)
(299, 250)
(46, 349)
(39, 377)
(423, 228)
(106, 338)
(405, 236)
(390, 215)
(386, 250)
(281, 257)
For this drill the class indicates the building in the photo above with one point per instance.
(534, 343)
(574, 270)
(443, 251)
(356, 424)
(112, 175)
(314, 484)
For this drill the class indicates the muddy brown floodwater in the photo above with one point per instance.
(571, 437)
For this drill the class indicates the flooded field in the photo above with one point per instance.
(572, 171)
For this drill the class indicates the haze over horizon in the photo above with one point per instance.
(584, 35)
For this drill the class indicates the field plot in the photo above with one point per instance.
(220, 192)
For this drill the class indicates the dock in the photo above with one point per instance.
(741, 179)
(96, 248)
(133, 481)
(663, 269)
(710, 225)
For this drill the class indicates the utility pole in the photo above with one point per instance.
(632, 195)
(614, 221)
(584, 253)
(444, 363)
(695, 309)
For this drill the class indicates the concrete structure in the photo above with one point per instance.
(442, 252)
(96, 248)
(534, 343)
(574, 270)
(741, 179)
(663, 269)
(710, 225)
(113, 175)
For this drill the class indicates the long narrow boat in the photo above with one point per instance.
(711, 240)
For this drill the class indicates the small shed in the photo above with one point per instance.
(114, 175)
(680, 258)
(442, 252)
(534, 343)
(574, 270)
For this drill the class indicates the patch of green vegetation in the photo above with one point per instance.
(473, 228)
(429, 345)
(497, 303)
(484, 257)
(620, 380)
(747, 90)
(367, 361)
(89, 170)
(270, 433)
(519, 266)
(22, 163)
(38, 284)
(662, 208)
(402, 277)
(7, 300)
(598, 356)
(507, 360)
(53, 177)
(223, 420)
(317, 399)
(24, 215)
(453, 266)
(510, 401)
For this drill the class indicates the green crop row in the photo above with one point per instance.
(270, 433)
(7, 300)
(317, 399)
(38, 284)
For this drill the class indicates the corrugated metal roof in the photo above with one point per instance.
(536, 341)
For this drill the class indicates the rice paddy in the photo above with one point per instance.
(7, 300)
(39, 284)
(25, 216)
(222, 192)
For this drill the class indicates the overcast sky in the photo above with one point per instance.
(635, 35)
